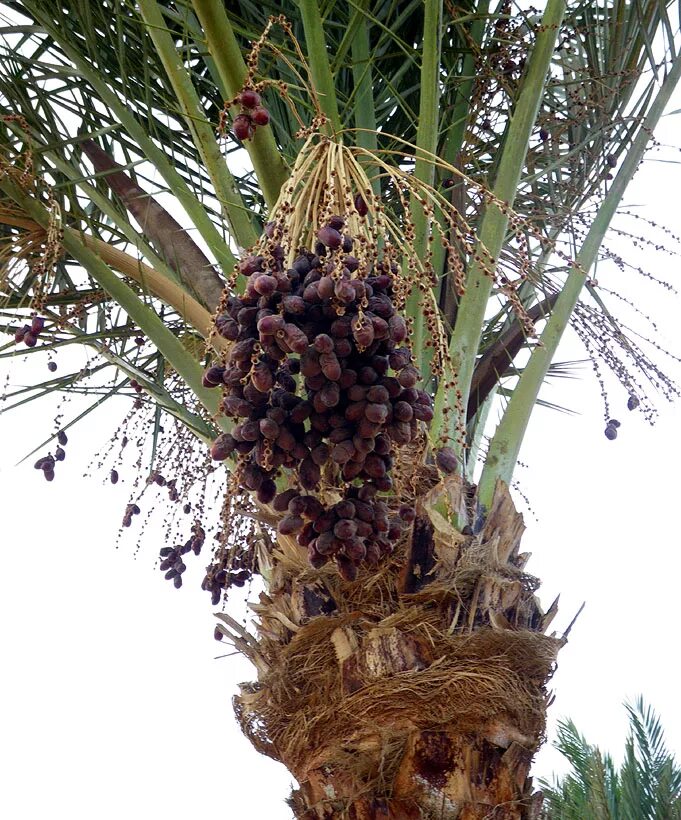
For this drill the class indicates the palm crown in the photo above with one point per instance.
(473, 156)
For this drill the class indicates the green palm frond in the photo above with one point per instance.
(145, 85)
(647, 785)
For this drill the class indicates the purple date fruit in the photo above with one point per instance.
(361, 206)
(330, 237)
(290, 524)
(243, 127)
(346, 568)
(345, 529)
(407, 513)
(265, 284)
(261, 116)
(222, 447)
(213, 376)
(408, 376)
(249, 98)
(282, 500)
(267, 491)
(269, 325)
(446, 460)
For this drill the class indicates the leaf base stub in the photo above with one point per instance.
(388, 702)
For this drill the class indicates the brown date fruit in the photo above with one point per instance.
(309, 474)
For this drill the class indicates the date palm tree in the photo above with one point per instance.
(174, 171)
(647, 784)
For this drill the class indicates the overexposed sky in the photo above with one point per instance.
(113, 704)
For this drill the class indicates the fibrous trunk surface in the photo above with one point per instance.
(417, 691)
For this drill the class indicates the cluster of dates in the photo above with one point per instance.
(171, 557)
(357, 528)
(28, 334)
(47, 463)
(233, 573)
(253, 114)
(611, 429)
(320, 383)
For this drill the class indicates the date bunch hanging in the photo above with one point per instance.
(319, 378)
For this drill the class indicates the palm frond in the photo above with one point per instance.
(133, 93)
(648, 784)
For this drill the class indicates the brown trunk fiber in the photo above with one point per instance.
(418, 691)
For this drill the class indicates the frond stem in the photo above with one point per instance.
(318, 57)
(146, 319)
(223, 46)
(426, 141)
(505, 445)
(465, 339)
(226, 190)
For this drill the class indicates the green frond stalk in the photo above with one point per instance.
(364, 110)
(318, 57)
(168, 344)
(453, 138)
(223, 46)
(457, 131)
(106, 207)
(465, 339)
(429, 104)
(195, 209)
(153, 282)
(426, 141)
(203, 132)
(507, 440)
(477, 425)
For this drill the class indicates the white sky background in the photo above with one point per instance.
(112, 704)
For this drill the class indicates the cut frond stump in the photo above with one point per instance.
(413, 684)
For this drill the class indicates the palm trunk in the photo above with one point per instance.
(418, 691)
